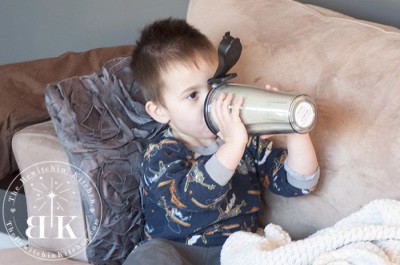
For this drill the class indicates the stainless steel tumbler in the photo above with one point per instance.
(266, 112)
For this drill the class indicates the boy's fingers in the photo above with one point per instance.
(266, 136)
(219, 134)
(217, 111)
(221, 97)
(271, 88)
(236, 106)
(225, 111)
(227, 101)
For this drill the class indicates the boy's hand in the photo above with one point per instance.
(301, 154)
(231, 127)
(231, 130)
(271, 88)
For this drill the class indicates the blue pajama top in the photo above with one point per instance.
(191, 198)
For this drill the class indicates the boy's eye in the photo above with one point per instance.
(192, 95)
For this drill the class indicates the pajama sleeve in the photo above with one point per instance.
(176, 178)
(275, 174)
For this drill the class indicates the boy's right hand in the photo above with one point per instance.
(231, 127)
(231, 130)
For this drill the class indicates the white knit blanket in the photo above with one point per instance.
(368, 236)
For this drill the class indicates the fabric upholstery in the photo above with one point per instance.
(34, 147)
(102, 125)
(15, 256)
(351, 68)
(22, 88)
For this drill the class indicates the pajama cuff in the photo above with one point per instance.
(300, 181)
(218, 172)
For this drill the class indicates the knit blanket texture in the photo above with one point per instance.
(368, 236)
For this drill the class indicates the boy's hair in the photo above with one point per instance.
(164, 43)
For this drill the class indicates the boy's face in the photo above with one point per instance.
(184, 94)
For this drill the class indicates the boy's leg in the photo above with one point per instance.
(165, 252)
(198, 255)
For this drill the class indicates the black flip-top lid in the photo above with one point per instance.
(229, 51)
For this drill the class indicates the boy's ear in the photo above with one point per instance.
(157, 112)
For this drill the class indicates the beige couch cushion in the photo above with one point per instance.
(36, 147)
(351, 68)
(15, 256)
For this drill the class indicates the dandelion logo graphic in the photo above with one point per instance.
(51, 199)
(56, 222)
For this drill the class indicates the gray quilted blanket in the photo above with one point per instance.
(102, 124)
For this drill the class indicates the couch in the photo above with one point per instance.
(349, 66)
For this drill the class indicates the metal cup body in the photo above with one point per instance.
(266, 112)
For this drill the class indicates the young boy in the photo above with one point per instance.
(198, 187)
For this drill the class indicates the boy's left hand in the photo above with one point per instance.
(301, 154)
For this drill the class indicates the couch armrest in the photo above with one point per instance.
(14, 256)
(37, 143)
(44, 169)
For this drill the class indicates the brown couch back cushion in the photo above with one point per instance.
(22, 87)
